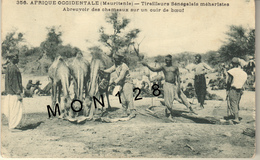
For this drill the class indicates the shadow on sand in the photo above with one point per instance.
(193, 117)
(31, 126)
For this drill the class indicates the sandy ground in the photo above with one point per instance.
(143, 136)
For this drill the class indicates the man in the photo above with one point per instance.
(36, 86)
(223, 71)
(27, 90)
(124, 81)
(236, 80)
(14, 90)
(251, 66)
(200, 70)
(171, 86)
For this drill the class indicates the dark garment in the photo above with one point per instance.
(200, 87)
(28, 86)
(234, 97)
(250, 68)
(13, 80)
(27, 93)
(27, 90)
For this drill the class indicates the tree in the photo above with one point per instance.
(212, 58)
(240, 43)
(251, 42)
(117, 40)
(11, 43)
(95, 50)
(52, 42)
(67, 51)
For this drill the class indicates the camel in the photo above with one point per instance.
(80, 71)
(59, 74)
(100, 61)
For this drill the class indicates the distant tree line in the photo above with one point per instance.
(52, 46)
(240, 42)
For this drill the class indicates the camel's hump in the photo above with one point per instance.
(58, 67)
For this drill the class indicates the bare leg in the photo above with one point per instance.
(185, 101)
(108, 103)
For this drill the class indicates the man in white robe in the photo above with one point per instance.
(14, 90)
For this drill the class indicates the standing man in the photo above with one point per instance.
(200, 80)
(236, 80)
(251, 66)
(125, 82)
(171, 86)
(14, 90)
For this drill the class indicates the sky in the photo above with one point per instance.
(197, 29)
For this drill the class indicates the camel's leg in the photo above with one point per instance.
(75, 87)
(54, 94)
(59, 92)
(80, 87)
(65, 81)
(59, 97)
(85, 86)
(86, 100)
(93, 108)
(80, 90)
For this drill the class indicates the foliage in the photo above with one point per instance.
(11, 43)
(52, 42)
(240, 43)
(212, 58)
(119, 41)
(67, 51)
(251, 42)
(94, 50)
(37, 59)
(184, 58)
(53, 46)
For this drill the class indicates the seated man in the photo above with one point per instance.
(27, 90)
(36, 86)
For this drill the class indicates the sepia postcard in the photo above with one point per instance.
(128, 79)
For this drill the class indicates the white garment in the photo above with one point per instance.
(15, 110)
(239, 77)
(201, 68)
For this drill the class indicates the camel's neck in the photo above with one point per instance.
(95, 65)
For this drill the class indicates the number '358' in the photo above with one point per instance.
(21, 2)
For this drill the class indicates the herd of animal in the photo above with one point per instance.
(84, 77)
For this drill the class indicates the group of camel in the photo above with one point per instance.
(85, 78)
